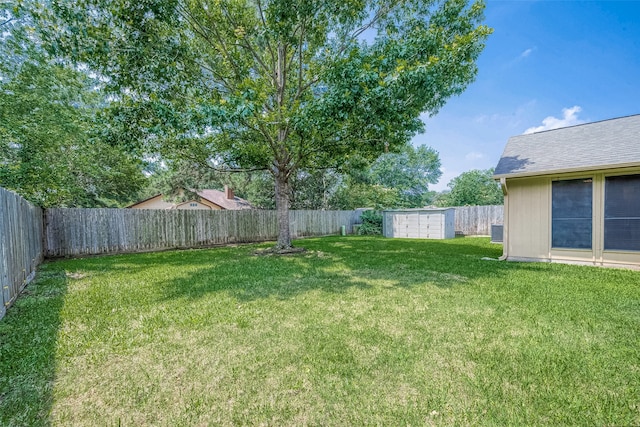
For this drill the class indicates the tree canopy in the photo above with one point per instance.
(274, 85)
(393, 180)
(475, 187)
(410, 172)
(51, 152)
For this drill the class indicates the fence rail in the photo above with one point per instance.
(20, 245)
(74, 232)
(477, 220)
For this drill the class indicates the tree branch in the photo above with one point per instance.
(242, 42)
(202, 32)
(206, 163)
(228, 85)
(380, 13)
(264, 23)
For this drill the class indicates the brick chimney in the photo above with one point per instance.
(228, 192)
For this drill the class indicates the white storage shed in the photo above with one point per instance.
(426, 223)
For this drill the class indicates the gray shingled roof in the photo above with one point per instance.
(591, 146)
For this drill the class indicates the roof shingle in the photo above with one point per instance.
(591, 146)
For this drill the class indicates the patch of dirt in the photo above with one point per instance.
(77, 275)
(279, 251)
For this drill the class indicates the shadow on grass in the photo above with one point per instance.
(337, 264)
(330, 264)
(28, 336)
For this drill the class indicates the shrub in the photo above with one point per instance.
(371, 223)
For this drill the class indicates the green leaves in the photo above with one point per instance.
(295, 76)
(393, 180)
(475, 187)
(410, 172)
(51, 151)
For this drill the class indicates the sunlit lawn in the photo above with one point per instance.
(356, 331)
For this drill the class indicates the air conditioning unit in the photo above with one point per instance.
(497, 231)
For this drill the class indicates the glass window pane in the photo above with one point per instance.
(574, 233)
(571, 213)
(622, 213)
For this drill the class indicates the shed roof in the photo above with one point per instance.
(591, 146)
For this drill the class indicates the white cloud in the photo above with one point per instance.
(515, 60)
(569, 118)
(527, 52)
(474, 155)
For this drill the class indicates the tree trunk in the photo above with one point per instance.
(282, 208)
(283, 160)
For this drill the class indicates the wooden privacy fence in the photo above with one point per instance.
(73, 232)
(20, 245)
(25, 240)
(477, 220)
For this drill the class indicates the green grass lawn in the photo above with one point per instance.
(356, 331)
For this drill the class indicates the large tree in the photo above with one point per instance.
(275, 85)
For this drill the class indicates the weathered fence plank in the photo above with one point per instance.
(20, 245)
(477, 220)
(75, 232)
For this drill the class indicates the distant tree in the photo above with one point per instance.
(361, 195)
(314, 189)
(275, 85)
(409, 172)
(475, 187)
(393, 180)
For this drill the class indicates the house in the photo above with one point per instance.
(208, 199)
(573, 194)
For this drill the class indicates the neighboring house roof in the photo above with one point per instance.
(599, 145)
(220, 198)
(159, 195)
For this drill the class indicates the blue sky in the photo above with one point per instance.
(548, 64)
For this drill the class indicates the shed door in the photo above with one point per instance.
(413, 225)
(399, 225)
(425, 226)
(432, 225)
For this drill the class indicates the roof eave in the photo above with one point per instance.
(142, 201)
(531, 174)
